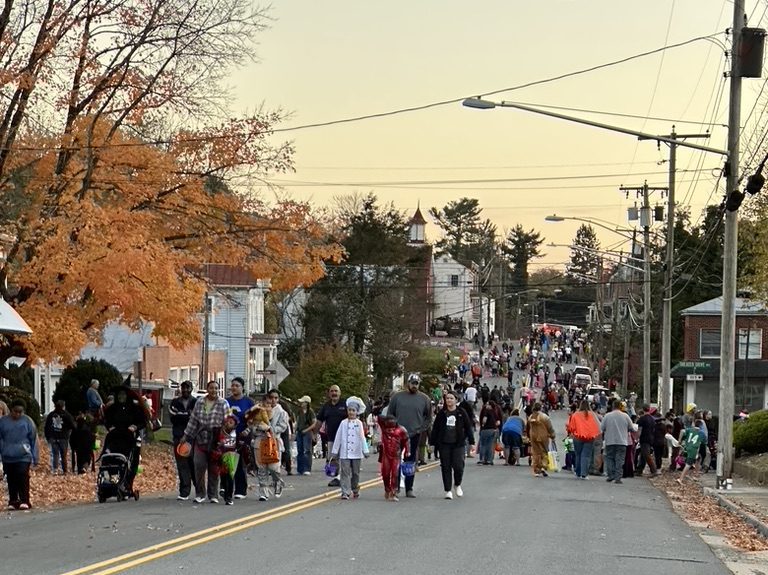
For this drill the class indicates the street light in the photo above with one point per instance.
(623, 232)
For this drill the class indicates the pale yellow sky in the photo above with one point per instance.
(338, 59)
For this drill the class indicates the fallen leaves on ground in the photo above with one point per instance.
(690, 501)
(46, 490)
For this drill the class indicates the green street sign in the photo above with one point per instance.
(694, 365)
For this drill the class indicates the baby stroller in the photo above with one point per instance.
(117, 466)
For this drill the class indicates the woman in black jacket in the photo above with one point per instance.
(451, 431)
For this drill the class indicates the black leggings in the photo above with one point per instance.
(452, 464)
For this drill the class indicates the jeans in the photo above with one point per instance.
(205, 466)
(304, 452)
(487, 440)
(614, 461)
(452, 464)
(185, 469)
(59, 453)
(583, 457)
(413, 448)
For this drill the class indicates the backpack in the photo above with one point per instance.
(268, 451)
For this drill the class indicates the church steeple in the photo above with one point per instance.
(417, 227)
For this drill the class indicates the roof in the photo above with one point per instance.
(744, 306)
(417, 217)
(227, 275)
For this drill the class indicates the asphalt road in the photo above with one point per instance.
(507, 520)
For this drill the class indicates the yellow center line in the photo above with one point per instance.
(172, 546)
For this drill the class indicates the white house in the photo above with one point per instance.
(236, 323)
(456, 294)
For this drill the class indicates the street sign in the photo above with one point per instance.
(694, 377)
(694, 364)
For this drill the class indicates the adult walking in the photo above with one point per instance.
(239, 404)
(181, 409)
(539, 430)
(94, 402)
(305, 424)
(489, 426)
(647, 425)
(203, 430)
(330, 416)
(413, 410)
(125, 419)
(584, 427)
(58, 428)
(451, 431)
(616, 427)
(18, 451)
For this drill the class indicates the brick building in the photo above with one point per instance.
(699, 372)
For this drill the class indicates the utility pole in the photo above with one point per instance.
(730, 253)
(665, 385)
(599, 315)
(645, 222)
(206, 343)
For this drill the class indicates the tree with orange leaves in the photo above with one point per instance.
(111, 207)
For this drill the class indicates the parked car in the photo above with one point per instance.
(582, 380)
(582, 370)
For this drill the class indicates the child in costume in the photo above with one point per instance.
(224, 452)
(257, 418)
(394, 439)
(349, 447)
(690, 442)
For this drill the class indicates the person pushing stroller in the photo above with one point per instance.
(124, 420)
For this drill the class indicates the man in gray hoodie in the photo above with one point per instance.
(616, 426)
(413, 410)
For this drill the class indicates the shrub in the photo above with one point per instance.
(8, 394)
(76, 378)
(751, 436)
(324, 366)
(426, 360)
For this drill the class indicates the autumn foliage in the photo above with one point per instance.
(122, 172)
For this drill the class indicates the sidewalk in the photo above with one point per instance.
(749, 501)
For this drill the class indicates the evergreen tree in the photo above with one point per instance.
(466, 237)
(520, 248)
(585, 259)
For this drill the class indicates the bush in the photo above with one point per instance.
(8, 394)
(22, 377)
(751, 436)
(76, 378)
(323, 367)
(426, 360)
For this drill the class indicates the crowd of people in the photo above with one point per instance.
(221, 444)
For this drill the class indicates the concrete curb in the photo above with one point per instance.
(723, 501)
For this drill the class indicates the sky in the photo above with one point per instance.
(333, 60)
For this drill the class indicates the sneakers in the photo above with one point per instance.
(618, 482)
(239, 496)
(182, 497)
(307, 473)
(199, 499)
(394, 498)
(263, 498)
(459, 491)
(23, 506)
(448, 495)
(544, 473)
(355, 496)
(410, 494)
(229, 502)
(334, 482)
(214, 500)
(278, 489)
(345, 496)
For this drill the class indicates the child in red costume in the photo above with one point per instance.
(394, 439)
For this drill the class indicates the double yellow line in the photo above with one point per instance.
(172, 546)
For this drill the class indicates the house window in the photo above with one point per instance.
(454, 281)
(750, 344)
(709, 343)
(194, 374)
